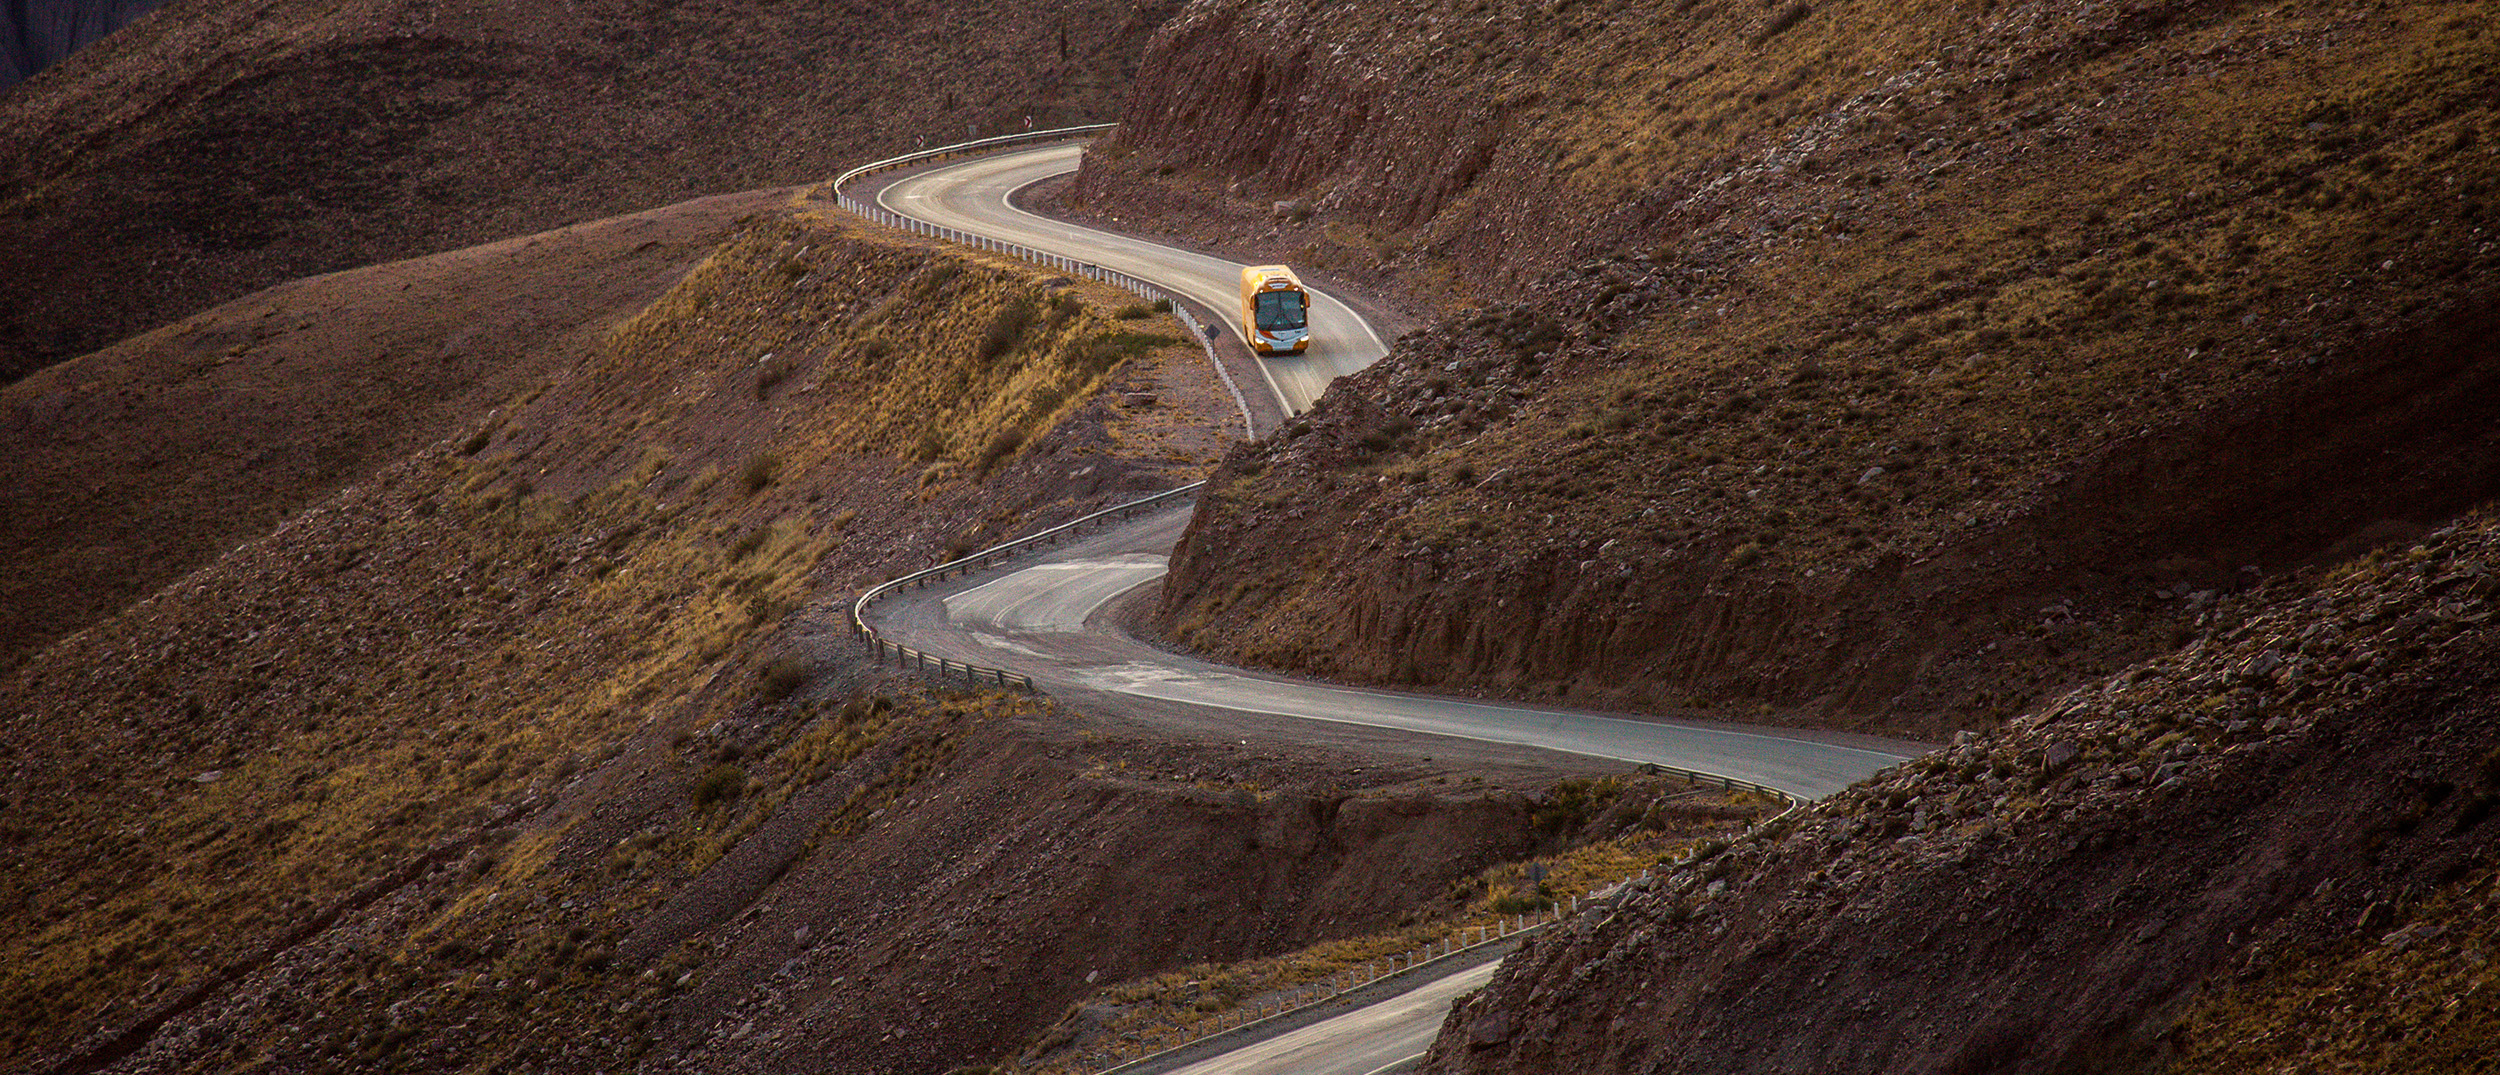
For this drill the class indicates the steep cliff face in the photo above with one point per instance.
(35, 34)
(2231, 854)
(1895, 363)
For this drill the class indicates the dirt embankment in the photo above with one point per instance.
(217, 149)
(1442, 567)
(948, 931)
(1878, 364)
(2229, 856)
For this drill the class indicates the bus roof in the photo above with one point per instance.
(1268, 276)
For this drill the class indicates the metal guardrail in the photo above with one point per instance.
(983, 145)
(1699, 778)
(1197, 329)
(949, 668)
(946, 667)
(1355, 978)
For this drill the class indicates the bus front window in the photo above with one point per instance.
(1280, 311)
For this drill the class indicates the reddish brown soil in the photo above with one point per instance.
(529, 739)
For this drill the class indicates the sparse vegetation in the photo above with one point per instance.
(721, 784)
(784, 677)
(770, 372)
(1007, 328)
(1000, 446)
(1781, 22)
(501, 707)
(758, 472)
(588, 590)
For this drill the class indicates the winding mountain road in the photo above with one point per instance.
(1054, 617)
(1371, 1040)
(1044, 616)
(1047, 618)
(974, 195)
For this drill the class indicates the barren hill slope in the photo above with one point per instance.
(144, 461)
(1888, 365)
(541, 746)
(222, 146)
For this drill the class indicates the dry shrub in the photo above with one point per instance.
(759, 471)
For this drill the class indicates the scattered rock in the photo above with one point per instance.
(2058, 755)
(1489, 1031)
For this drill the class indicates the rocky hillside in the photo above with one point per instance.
(2107, 387)
(1887, 365)
(2269, 851)
(225, 146)
(437, 665)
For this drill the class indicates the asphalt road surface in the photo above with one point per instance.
(973, 196)
(1381, 1038)
(1045, 617)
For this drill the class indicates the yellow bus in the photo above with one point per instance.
(1275, 311)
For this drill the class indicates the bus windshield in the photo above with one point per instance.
(1280, 310)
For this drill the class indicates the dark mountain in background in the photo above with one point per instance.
(230, 146)
(35, 34)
